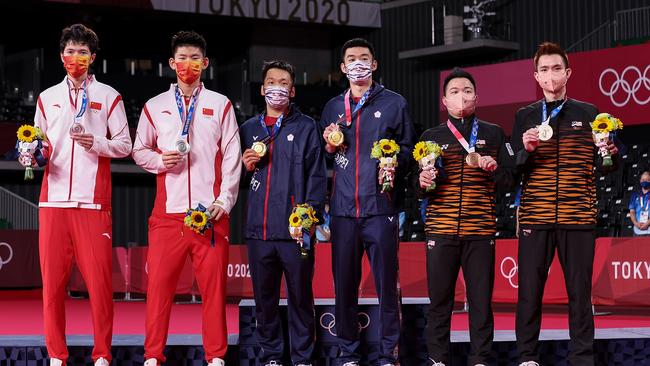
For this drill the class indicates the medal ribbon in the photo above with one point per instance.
(545, 117)
(276, 128)
(186, 118)
(469, 147)
(84, 101)
(357, 108)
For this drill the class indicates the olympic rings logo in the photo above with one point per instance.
(512, 272)
(328, 322)
(629, 89)
(4, 261)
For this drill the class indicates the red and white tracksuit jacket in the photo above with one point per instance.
(75, 203)
(210, 172)
(75, 177)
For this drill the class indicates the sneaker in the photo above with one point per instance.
(529, 363)
(56, 362)
(303, 364)
(435, 363)
(217, 362)
(151, 362)
(351, 363)
(101, 362)
(480, 364)
(273, 363)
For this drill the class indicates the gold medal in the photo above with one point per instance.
(472, 159)
(259, 148)
(545, 132)
(335, 137)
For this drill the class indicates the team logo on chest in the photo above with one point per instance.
(480, 144)
(290, 137)
(576, 125)
(378, 114)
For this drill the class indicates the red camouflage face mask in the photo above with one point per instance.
(189, 70)
(76, 65)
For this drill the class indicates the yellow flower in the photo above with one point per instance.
(420, 150)
(26, 133)
(433, 148)
(605, 122)
(199, 219)
(295, 220)
(619, 124)
(312, 215)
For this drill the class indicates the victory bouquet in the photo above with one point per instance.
(428, 153)
(198, 219)
(604, 129)
(386, 151)
(301, 221)
(29, 146)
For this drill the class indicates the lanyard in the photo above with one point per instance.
(469, 147)
(357, 108)
(84, 101)
(647, 202)
(186, 118)
(276, 128)
(545, 117)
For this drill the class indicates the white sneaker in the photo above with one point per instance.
(303, 364)
(217, 362)
(56, 362)
(351, 363)
(273, 363)
(529, 363)
(480, 364)
(151, 362)
(435, 363)
(101, 362)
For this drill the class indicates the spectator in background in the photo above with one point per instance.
(639, 207)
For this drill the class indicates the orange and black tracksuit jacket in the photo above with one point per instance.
(559, 187)
(462, 206)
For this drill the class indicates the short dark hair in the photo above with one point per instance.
(550, 48)
(357, 42)
(278, 64)
(79, 33)
(457, 73)
(188, 38)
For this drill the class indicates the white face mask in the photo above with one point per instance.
(276, 96)
(553, 81)
(359, 71)
(461, 105)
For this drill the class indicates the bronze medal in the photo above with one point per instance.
(472, 159)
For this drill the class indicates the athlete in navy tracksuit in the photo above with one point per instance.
(363, 218)
(291, 172)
